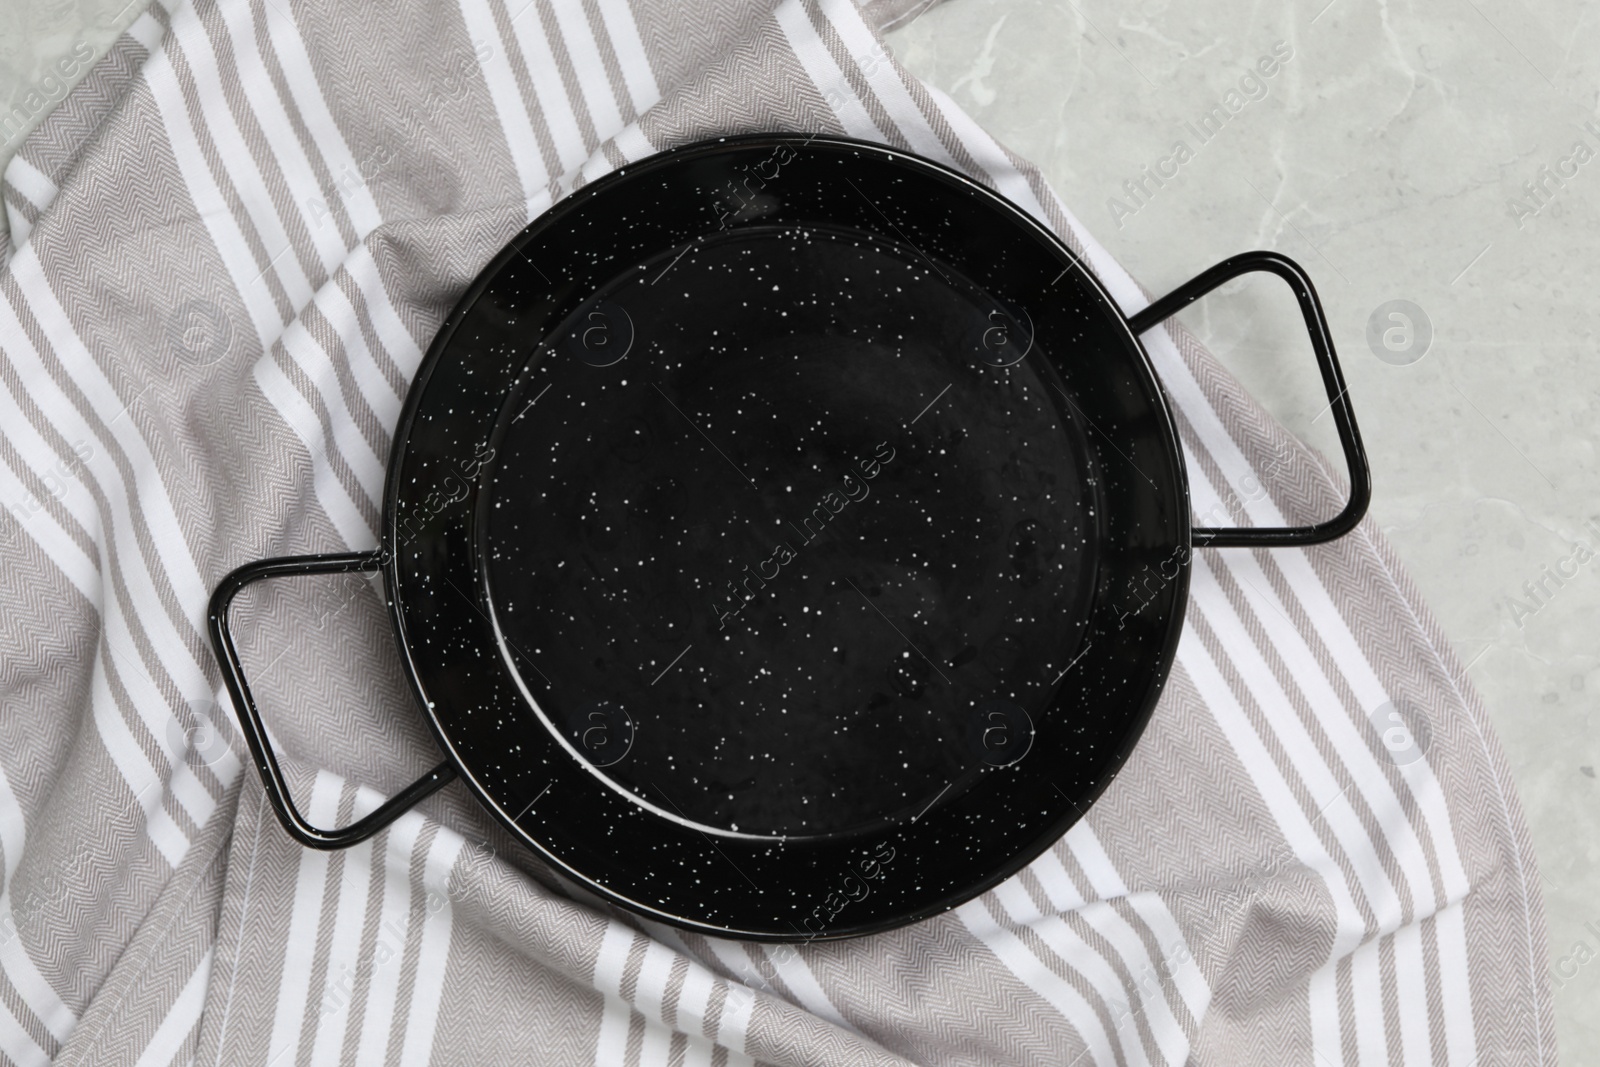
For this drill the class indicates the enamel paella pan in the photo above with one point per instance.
(786, 538)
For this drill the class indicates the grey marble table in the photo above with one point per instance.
(1436, 167)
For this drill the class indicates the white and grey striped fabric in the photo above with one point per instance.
(229, 249)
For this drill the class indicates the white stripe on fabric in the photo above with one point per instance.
(739, 1003)
(21, 229)
(288, 154)
(731, 955)
(1419, 778)
(151, 707)
(394, 920)
(1329, 710)
(1279, 799)
(182, 784)
(13, 828)
(1341, 644)
(797, 975)
(824, 72)
(182, 1017)
(596, 166)
(1366, 1002)
(38, 454)
(632, 143)
(1460, 1035)
(369, 378)
(694, 998)
(631, 56)
(300, 941)
(1300, 749)
(433, 956)
(612, 958)
(665, 934)
(549, 91)
(234, 152)
(209, 205)
(301, 78)
(344, 940)
(172, 549)
(655, 1046)
(128, 756)
(37, 993)
(330, 491)
(578, 39)
(1392, 817)
(148, 702)
(1123, 938)
(1322, 1007)
(871, 61)
(611, 1040)
(1272, 786)
(1091, 855)
(31, 182)
(43, 529)
(698, 1052)
(1331, 715)
(227, 765)
(740, 1059)
(1411, 994)
(654, 973)
(538, 205)
(147, 31)
(1078, 954)
(396, 340)
(352, 444)
(989, 156)
(733, 1024)
(515, 125)
(1027, 968)
(19, 1049)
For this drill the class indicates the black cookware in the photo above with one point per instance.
(786, 537)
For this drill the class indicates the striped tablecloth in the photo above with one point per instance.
(230, 246)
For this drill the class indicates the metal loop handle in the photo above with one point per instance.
(1355, 455)
(255, 731)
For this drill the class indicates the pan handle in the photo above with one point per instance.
(1355, 455)
(255, 731)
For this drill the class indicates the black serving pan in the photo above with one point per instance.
(786, 538)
